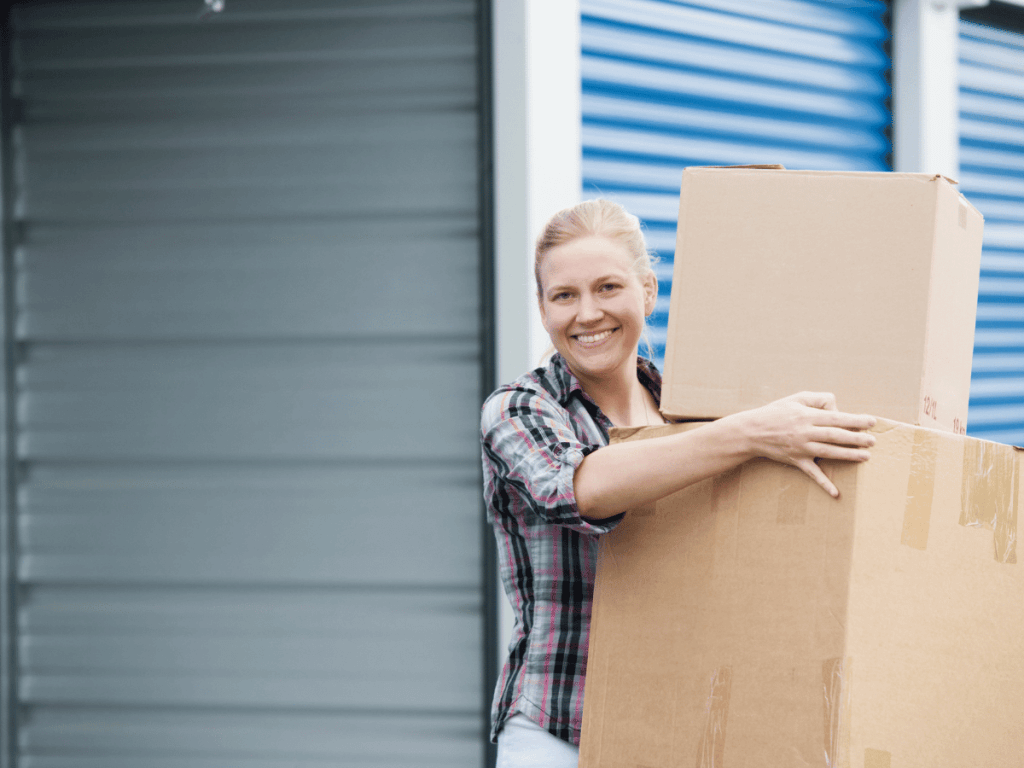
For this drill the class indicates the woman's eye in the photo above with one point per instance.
(609, 287)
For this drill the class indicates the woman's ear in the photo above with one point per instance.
(650, 293)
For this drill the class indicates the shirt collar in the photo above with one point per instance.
(566, 384)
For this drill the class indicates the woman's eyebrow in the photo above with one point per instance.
(558, 288)
(611, 276)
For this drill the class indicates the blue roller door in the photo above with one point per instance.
(992, 177)
(669, 84)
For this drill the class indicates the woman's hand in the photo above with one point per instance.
(795, 430)
(804, 427)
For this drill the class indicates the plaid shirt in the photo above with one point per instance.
(536, 431)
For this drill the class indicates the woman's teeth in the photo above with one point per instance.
(591, 338)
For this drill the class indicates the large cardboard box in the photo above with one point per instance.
(861, 284)
(752, 621)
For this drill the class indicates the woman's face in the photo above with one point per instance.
(593, 305)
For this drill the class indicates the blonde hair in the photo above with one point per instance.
(597, 218)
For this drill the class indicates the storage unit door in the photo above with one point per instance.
(249, 364)
(726, 82)
(992, 177)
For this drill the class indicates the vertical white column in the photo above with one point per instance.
(537, 156)
(536, 47)
(926, 137)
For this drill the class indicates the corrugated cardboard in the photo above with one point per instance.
(861, 284)
(752, 620)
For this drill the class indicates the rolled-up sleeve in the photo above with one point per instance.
(531, 451)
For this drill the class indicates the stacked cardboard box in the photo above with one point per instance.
(752, 620)
(861, 284)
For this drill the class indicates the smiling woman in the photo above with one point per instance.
(553, 485)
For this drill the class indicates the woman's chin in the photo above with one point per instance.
(595, 364)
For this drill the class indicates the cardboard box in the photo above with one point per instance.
(753, 621)
(861, 284)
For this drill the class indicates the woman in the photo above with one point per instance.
(553, 484)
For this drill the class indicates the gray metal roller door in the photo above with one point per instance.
(247, 305)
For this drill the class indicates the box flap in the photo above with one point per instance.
(767, 167)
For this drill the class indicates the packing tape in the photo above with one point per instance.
(988, 494)
(712, 741)
(917, 514)
(877, 758)
(835, 680)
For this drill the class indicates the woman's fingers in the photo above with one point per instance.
(844, 420)
(838, 452)
(814, 472)
(838, 436)
(827, 414)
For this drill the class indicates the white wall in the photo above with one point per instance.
(925, 134)
(537, 167)
(537, 163)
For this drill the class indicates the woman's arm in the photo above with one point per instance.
(796, 431)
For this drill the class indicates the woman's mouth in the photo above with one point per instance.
(593, 338)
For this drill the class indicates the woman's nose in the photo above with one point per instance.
(589, 310)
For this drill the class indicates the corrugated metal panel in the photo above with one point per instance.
(248, 380)
(992, 177)
(668, 84)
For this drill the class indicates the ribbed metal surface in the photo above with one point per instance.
(669, 84)
(992, 177)
(248, 384)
